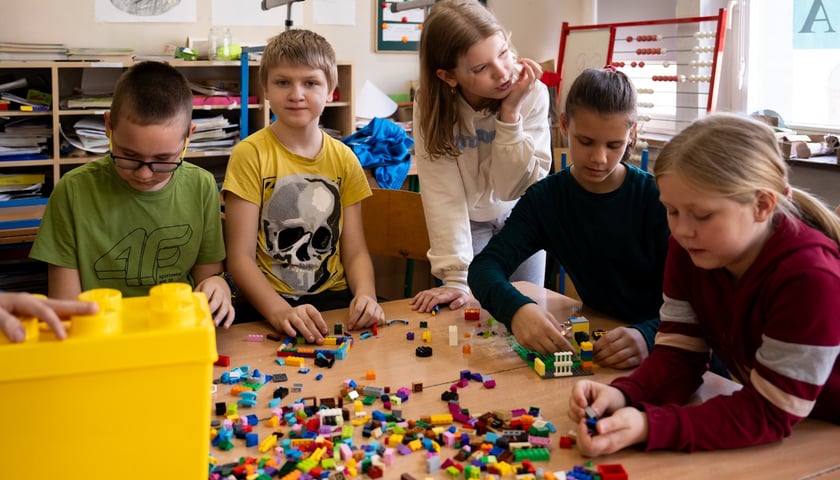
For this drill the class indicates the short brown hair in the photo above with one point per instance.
(300, 47)
(152, 93)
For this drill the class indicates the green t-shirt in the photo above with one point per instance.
(118, 237)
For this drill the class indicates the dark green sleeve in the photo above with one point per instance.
(491, 268)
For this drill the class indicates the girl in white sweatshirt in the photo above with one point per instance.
(482, 138)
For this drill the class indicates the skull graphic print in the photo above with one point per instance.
(301, 227)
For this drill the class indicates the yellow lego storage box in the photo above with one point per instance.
(126, 395)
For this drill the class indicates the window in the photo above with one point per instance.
(793, 65)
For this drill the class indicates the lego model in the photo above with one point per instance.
(553, 365)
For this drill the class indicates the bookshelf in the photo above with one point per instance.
(63, 80)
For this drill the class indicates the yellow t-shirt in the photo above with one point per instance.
(301, 203)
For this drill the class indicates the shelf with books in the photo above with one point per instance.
(66, 80)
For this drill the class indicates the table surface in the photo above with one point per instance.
(811, 452)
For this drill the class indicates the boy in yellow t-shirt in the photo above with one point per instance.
(292, 194)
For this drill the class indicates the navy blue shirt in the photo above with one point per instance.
(612, 245)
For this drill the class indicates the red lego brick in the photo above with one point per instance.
(223, 361)
(612, 471)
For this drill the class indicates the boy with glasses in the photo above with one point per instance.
(139, 216)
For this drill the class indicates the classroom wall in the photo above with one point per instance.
(535, 25)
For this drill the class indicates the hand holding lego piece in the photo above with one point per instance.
(304, 320)
(616, 426)
(538, 330)
(621, 347)
(14, 305)
(364, 312)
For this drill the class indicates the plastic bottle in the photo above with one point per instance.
(227, 41)
(212, 43)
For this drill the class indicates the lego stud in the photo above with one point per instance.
(105, 323)
(173, 305)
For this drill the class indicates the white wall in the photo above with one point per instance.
(535, 25)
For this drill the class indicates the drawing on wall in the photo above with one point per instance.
(130, 11)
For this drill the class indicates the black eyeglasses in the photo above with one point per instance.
(127, 163)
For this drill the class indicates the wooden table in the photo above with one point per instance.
(813, 447)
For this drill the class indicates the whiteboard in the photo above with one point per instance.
(584, 49)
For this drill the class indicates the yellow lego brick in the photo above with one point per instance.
(268, 443)
(504, 468)
(539, 367)
(361, 420)
(441, 419)
(394, 440)
(294, 361)
(317, 454)
(104, 361)
(415, 445)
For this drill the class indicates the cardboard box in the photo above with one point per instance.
(129, 384)
(801, 146)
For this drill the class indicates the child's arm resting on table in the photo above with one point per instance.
(241, 226)
(358, 268)
(208, 280)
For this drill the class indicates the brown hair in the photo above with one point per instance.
(734, 157)
(152, 93)
(452, 27)
(300, 47)
(605, 91)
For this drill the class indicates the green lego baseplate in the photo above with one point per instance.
(548, 360)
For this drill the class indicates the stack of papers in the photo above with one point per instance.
(17, 186)
(23, 52)
(88, 134)
(25, 139)
(213, 133)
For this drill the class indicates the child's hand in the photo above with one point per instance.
(529, 74)
(602, 398)
(305, 320)
(627, 426)
(537, 330)
(621, 347)
(364, 312)
(426, 300)
(218, 296)
(13, 305)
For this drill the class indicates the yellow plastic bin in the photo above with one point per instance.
(125, 396)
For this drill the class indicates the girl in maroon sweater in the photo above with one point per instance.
(753, 273)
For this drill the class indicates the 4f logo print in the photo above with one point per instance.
(142, 259)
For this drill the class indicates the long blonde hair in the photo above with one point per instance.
(452, 27)
(734, 157)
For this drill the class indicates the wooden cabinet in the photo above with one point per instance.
(63, 80)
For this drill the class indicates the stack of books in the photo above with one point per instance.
(25, 139)
(18, 186)
(28, 52)
(213, 133)
(108, 55)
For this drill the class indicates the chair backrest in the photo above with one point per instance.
(395, 225)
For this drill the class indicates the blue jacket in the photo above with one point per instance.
(383, 146)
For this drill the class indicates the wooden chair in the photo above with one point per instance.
(395, 226)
